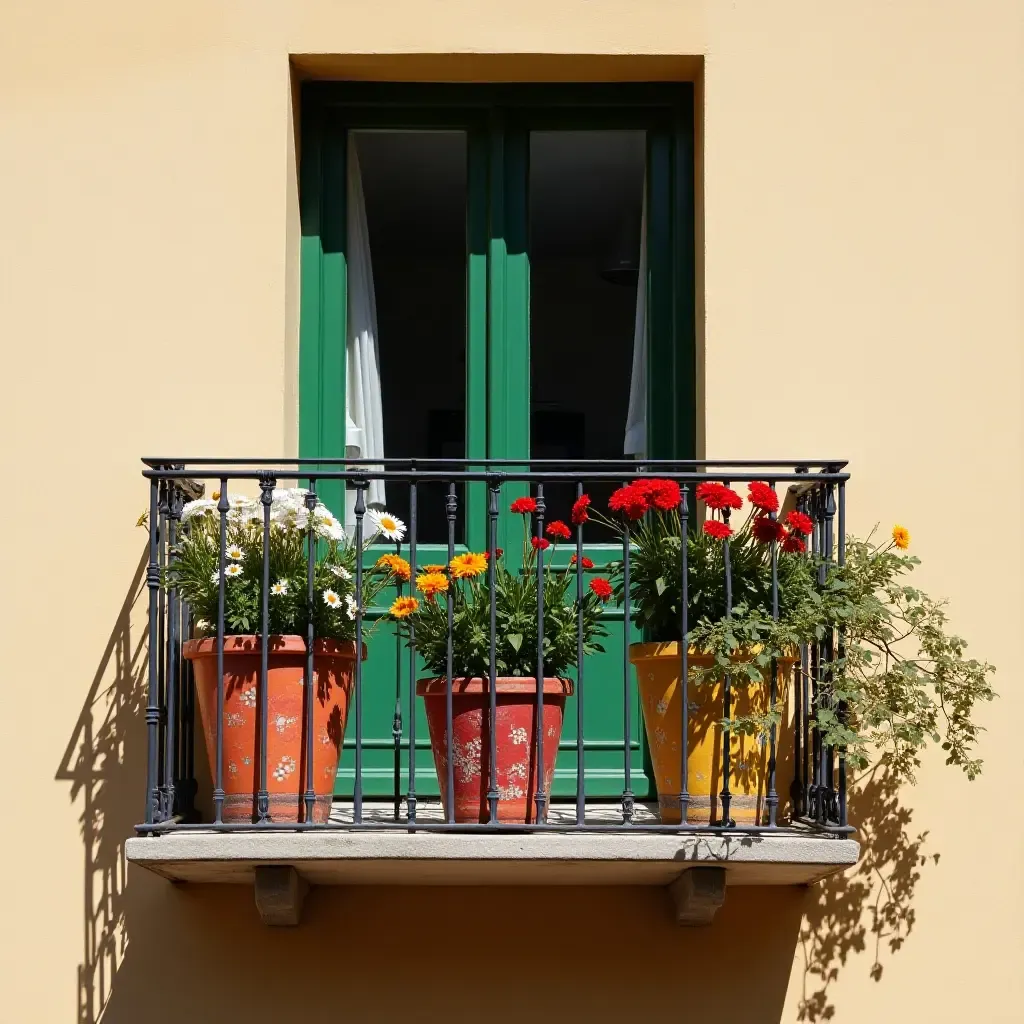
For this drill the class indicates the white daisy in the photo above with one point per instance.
(232, 571)
(350, 606)
(199, 507)
(280, 587)
(386, 524)
(331, 599)
(235, 553)
(327, 525)
(341, 572)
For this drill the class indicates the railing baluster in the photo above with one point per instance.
(772, 800)
(841, 561)
(492, 751)
(357, 785)
(581, 787)
(162, 737)
(684, 657)
(539, 797)
(311, 694)
(218, 785)
(725, 796)
(396, 717)
(451, 511)
(832, 810)
(627, 788)
(267, 484)
(152, 705)
(410, 802)
(173, 653)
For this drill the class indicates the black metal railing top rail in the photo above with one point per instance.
(261, 598)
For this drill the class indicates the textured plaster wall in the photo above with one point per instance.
(861, 255)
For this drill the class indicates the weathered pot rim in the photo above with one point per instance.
(438, 686)
(665, 649)
(249, 644)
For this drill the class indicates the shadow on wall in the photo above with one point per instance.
(164, 953)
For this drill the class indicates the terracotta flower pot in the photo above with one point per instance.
(658, 670)
(515, 741)
(333, 666)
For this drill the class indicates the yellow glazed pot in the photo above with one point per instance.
(658, 670)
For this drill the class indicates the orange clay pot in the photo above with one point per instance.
(333, 667)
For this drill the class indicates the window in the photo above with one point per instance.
(527, 252)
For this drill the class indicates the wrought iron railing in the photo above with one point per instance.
(466, 489)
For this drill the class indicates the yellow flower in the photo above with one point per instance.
(901, 537)
(403, 607)
(467, 565)
(396, 565)
(432, 583)
(434, 568)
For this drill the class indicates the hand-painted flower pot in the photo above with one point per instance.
(515, 743)
(333, 667)
(658, 672)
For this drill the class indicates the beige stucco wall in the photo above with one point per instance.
(862, 230)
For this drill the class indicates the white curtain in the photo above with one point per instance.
(365, 418)
(635, 442)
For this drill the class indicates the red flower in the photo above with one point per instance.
(794, 544)
(579, 514)
(630, 499)
(716, 529)
(663, 494)
(557, 529)
(601, 588)
(763, 497)
(767, 530)
(587, 563)
(718, 496)
(540, 543)
(523, 505)
(498, 552)
(799, 523)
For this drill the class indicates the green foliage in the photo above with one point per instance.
(195, 567)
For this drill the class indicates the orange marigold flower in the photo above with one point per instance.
(432, 583)
(800, 522)
(901, 537)
(557, 529)
(523, 506)
(718, 530)
(579, 514)
(763, 497)
(435, 568)
(468, 565)
(403, 607)
(396, 565)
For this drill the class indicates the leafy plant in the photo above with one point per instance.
(464, 580)
(294, 520)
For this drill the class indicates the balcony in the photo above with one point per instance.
(279, 759)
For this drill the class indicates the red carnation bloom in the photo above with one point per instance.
(579, 514)
(523, 505)
(798, 522)
(794, 544)
(557, 529)
(664, 494)
(763, 497)
(587, 562)
(767, 530)
(718, 496)
(631, 499)
(540, 543)
(718, 530)
(601, 588)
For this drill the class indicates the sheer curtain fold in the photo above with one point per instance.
(364, 435)
(635, 441)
